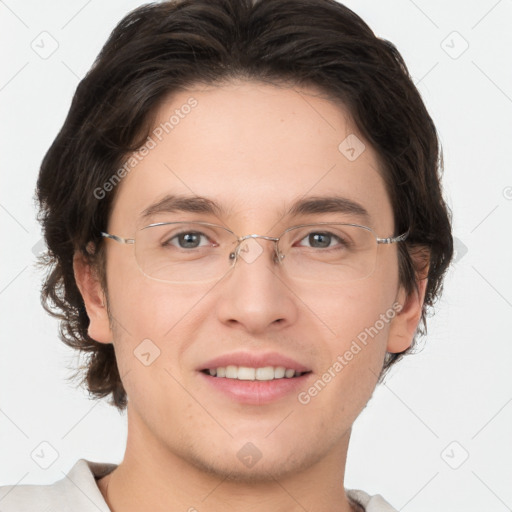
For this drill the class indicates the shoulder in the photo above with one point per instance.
(374, 503)
(77, 492)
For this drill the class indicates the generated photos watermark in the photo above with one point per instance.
(151, 143)
(342, 360)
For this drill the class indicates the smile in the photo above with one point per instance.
(248, 373)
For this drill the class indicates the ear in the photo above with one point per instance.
(404, 324)
(94, 299)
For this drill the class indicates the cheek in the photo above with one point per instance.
(149, 317)
(358, 318)
(144, 307)
(152, 327)
(362, 323)
(346, 310)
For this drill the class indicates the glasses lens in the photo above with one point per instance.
(329, 252)
(184, 251)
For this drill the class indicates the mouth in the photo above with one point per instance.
(246, 373)
(254, 378)
(261, 385)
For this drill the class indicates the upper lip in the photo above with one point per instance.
(254, 360)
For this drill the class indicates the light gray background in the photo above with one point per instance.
(452, 400)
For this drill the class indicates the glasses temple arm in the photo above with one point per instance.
(393, 239)
(119, 239)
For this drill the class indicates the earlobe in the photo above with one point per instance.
(94, 299)
(403, 326)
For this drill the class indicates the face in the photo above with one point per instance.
(254, 150)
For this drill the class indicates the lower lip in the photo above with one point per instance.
(257, 392)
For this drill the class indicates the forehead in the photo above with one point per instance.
(253, 149)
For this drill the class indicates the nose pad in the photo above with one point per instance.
(278, 256)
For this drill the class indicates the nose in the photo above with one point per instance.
(255, 295)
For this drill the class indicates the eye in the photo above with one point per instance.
(322, 240)
(188, 240)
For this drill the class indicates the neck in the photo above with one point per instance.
(153, 478)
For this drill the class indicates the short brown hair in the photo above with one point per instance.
(159, 48)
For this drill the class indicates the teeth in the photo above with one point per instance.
(244, 373)
(231, 372)
(279, 372)
(247, 373)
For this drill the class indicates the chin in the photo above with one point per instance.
(252, 462)
(262, 471)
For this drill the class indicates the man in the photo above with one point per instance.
(246, 226)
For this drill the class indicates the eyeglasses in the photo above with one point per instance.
(181, 252)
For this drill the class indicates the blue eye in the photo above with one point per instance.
(187, 240)
(322, 240)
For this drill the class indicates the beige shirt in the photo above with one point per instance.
(79, 492)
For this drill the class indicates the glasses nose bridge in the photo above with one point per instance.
(273, 239)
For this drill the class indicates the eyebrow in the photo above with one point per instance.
(316, 205)
(181, 203)
(328, 204)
